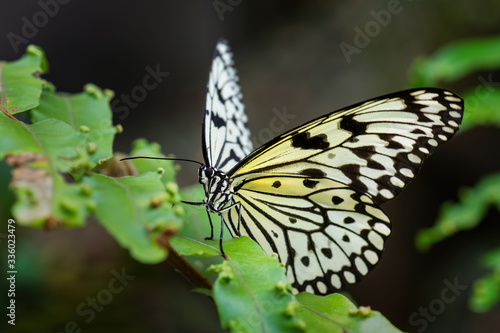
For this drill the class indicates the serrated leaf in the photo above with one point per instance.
(87, 113)
(126, 207)
(335, 313)
(455, 61)
(20, 88)
(464, 215)
(252, 295)
(251, 290)
(52, 138)
(43, 197)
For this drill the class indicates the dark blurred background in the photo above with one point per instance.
(288, 56)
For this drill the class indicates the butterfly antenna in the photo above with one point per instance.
(162, 158)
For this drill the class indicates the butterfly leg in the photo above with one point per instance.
(221, 236)
(239, 218)
(211, 227)
(223, 224)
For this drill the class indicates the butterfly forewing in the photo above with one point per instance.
(226, 139)
(375, 147)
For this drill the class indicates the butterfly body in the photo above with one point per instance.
(217, 186)
(311, 195)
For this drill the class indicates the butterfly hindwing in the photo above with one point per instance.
(326, 234)
(226, 139)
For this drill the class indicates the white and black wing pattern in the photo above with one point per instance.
(325, 233)
(311, 195)
(226, 139)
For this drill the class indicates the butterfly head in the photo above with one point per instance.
(217, 185)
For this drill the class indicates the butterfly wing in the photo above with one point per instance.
(375, 147)
(325, 233)
(311, 194)
(226, 139)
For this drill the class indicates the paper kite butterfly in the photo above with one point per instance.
(312, 194)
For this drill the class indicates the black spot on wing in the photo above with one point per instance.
(349, 220)
(305, 141)
(349, 124)
(337, 200)
(310, 183)
(305, 260)
(352, 171)
(392, 144)
(327, 252)
(317, 173)
(276, 184)
(375, 165)
(217, 121)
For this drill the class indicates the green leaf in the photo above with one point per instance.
(482, 106)
(251, 290)
(252, 294)
(455, 61)
(128, 207)
(486, 290)
(196, 223)
(492, 259)
(87, 113)
(191, 247)
(335, 313)
(52, 138)
(20, 88)
(44, 198)
(464, 215)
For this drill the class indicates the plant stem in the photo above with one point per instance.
(182, 266)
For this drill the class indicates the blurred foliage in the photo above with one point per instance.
(54, 154)
(64, 171)
(486, 292)
(455, 61)
(482, 108)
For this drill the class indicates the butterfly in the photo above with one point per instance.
(312, 194)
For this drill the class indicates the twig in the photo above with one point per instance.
(8, 114)
(182, 266)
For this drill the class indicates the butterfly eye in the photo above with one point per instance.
(209, 172)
